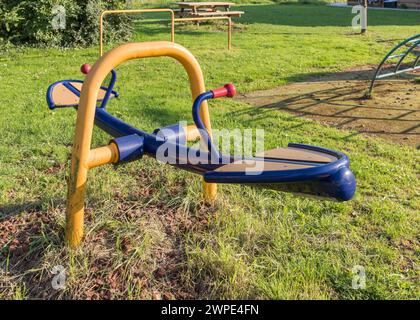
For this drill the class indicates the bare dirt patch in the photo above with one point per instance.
(338, 99)
(137, 252)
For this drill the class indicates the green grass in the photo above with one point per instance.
(148, 234)
(142, 3)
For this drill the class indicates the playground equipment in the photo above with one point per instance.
(301, 169)
(412, 48)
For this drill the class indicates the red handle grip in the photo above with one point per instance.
(228, 90)
(85, 68)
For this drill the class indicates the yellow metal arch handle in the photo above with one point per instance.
(83, 158)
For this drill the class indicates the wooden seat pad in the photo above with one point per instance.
(297, 154)
(63, 96)
(259, 165)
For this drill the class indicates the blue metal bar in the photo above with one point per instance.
(110, 87)
(118, 128)
(405, 55)
(415, 39)
(50, 101)
(385, 75)
(200, 125)
(415, 62)
(330, 180)
(72, 88)
(396, 56)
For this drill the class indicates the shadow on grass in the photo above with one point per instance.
(143, 28)
(13, 209)
(339, 99)
(165, 115)
(358, 73)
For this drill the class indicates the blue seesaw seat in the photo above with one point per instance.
(66, 93)
(300, 169)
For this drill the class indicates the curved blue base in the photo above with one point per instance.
(327, 180)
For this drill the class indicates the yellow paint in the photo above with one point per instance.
(83, 158)
(103, 155)
(192, 133)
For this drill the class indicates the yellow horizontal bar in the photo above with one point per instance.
(192, 133)
(136, 11)
(103, 155)
(201, 19)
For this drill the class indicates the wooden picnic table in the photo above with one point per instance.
(211, 5)
(202, 9)
(205, 11)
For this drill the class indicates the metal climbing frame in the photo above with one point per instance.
(412, 44)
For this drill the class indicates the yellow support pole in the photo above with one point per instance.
(103, 155)
(192, 132)
(83, 158)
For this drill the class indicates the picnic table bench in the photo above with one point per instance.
(206, 9)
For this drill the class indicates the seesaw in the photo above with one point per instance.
(300, 169)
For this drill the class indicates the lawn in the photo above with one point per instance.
(148, 233)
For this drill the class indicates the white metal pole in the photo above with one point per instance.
(364, 17)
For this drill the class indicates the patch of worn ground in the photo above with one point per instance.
(338, 99)
(134, 252)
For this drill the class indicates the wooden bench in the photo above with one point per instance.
(206, 9)
(190, 10)
(216, 14)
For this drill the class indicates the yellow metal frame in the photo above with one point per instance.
(83, 157)
(173, 20)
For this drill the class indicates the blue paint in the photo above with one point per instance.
(327, 180)
(130, 147)
(50, 101)
(199, 123)
(110, 88)
(330, 180)
(73, 89)
(174, 133)
(412, 43)
(67, 83)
